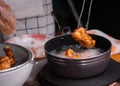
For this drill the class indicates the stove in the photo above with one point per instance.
(110, 75)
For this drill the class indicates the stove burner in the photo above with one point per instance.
(110, 75)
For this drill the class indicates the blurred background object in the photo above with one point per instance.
(104, 15)
(34, 17)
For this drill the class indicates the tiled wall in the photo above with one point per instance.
(38, 24)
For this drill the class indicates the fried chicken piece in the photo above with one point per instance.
(71, 53)
(9, 53)
(83, 37)
(8, 60)
(4, 63)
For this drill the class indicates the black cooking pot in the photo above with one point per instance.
(77, 68)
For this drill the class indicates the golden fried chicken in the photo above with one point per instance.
(9, 53)
(8, 60)
(71, 53)
(83, 37)
(4, 63)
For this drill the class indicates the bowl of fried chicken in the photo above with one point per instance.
(78, 54)
(16, 63)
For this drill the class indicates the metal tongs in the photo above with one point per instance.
(62, 24)
(78, 18)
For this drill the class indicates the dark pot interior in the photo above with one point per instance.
(77, 68)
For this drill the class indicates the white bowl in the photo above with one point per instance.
(17, 75)
(35, 42)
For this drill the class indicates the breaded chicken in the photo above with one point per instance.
(4, 63)
(8, 60)
(83, 37)
(70, 53)
(9, 53)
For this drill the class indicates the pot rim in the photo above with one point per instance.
(92, 57)
(29, 61)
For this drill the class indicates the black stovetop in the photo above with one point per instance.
(110, 75)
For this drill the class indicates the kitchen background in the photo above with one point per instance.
(105, 15)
